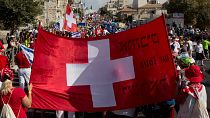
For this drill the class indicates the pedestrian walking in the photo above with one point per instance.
(24, 69)
(206, 45)
(199, 53)
(15, 97)
(193, 98)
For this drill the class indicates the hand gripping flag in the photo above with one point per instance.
(69, 20)
(119, 71)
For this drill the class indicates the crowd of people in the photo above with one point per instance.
(189, 47)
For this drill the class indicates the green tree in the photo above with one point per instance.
(196, 12)
(103, 12)
(15, 13)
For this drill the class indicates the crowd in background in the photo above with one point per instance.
(189, 47)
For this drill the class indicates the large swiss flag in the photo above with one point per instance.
(123, 70)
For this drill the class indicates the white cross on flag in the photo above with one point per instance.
(106, 72)
(70, 23)
(103, 73)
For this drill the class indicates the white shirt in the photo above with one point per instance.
(176, 46)
(190, 45)
(185, 46)
(185, 110)
(199, 48)
(192, 31)
(105, 32)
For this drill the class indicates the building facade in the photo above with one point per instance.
(149, 9)
(139, 3)
(113, 6)
(53, 11)
(145, 10)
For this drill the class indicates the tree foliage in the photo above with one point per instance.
(197, 12)
(18, 12)
(104, 12)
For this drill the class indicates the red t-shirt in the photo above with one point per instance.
(4, 62)
(1, 46)
(83, 33)
(15, 102)
(99, 31)
(21, 60)
(32, 45)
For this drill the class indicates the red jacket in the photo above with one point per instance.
(4, 62)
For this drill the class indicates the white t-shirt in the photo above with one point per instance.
(105, 32)
(192, 31)
(185, 46)
(171, 32)
(199, 48)
(176, 46)
(186, 108)
(190, 43)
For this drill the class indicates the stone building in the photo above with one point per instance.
(53, 11)
(144, 10)
(151, 10)
(140, 3)
(140, 10)
(115, 5)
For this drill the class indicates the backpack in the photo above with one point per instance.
(7, 111)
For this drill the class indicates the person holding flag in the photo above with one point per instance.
(16, 98)
(99, 31)
(193, 98)
(83, 32)
(24, 64)
(69, 23)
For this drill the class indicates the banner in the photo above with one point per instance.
(119, 71)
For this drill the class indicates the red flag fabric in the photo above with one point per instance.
(69, 21)
(123, 70)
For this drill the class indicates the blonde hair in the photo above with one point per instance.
(6, 87)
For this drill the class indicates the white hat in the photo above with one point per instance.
(177, 39)
(12, 36)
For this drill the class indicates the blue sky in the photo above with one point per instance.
(98, 3)
(95, 3)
